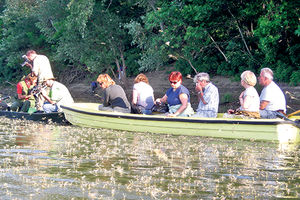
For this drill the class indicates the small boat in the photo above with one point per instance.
(56, 117)
(88, 115)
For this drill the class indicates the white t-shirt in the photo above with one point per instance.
(60, 94)
(274, 95)
(42, 68)
(144, 94)
(255, 101)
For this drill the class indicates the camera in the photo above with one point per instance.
(27, 61)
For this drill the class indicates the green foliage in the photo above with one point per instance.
(295, 77)
(132, 58)
(214, 36)
(283, 72)
(227, 97)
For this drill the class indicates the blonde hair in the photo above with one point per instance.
(141, 78)
(106, 79)
(249, 78)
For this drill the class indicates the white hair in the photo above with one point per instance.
(267, 73)
(201, 77)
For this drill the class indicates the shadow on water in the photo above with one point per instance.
(48, 161)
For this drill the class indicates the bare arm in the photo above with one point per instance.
(134, 96)
(20, 96)
(199, 91)
(263, 104)
(45, 95)
(162, 100)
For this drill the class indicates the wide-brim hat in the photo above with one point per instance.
(49, 78)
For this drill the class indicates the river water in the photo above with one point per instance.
(47, 161)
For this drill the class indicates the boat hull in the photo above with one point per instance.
(87, 115)
(55, 117)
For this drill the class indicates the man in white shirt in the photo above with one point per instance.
(42, 69)
(272, 99)
(58, 95)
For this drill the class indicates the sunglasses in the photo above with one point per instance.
(173, 82)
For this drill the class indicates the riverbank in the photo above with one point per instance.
(229, 90)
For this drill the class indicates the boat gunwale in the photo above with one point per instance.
(179, 119)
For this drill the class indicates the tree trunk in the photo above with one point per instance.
(217, 46)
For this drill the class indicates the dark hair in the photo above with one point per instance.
(29, 52)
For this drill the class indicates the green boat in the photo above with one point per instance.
(88, 115)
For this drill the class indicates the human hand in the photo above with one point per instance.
(198, 87)
(158, 101)
(28, 64)
(230, 111)
(241, 95)
(172, 115)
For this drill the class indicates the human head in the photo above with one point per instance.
(175, 79)
(31, 54)
(49, 81)
(105, 80)
(175, 76)
(202, 76)
(265, 77)
(31, 78)
(248, 78)
(141, 78)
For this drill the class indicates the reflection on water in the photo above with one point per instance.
(39, 161)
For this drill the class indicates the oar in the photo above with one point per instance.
(282, 116)
(294, 113)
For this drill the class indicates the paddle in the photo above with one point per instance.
(294, 113)
(282, 116)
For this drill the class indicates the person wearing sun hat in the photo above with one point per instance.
(177, 97)
(57, 96)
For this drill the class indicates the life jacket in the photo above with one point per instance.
(26, 90)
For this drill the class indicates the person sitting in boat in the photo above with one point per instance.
(177, 97)
(115, 99)
(57, 96)
(142, 95)
(249, 98)
(25, 98)
(272, 99)
(208, 96)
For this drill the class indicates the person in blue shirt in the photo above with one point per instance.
(177, 97)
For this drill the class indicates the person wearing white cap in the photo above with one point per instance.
(58, 95)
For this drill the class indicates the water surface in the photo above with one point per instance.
(39, 161)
